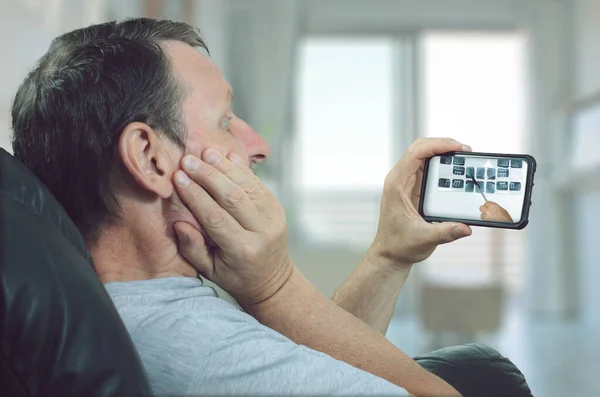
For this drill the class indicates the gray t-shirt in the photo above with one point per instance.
(193, 343)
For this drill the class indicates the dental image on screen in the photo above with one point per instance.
(476, 188)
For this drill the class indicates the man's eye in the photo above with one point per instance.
(226, 123)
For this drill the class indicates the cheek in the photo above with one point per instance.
(194, 148)
(240, 148)
(222, 141)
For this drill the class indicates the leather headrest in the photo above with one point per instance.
(60, 334)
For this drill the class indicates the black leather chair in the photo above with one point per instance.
(60, 334)
(476, 370)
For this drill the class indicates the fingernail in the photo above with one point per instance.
(191, 163)
(211, 157)
(182, 179)
(466, 148)
(236, 159)
(459, 232)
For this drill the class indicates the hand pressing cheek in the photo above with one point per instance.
(493, 212)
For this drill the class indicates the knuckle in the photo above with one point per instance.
(250, 249)
(281, 212)
(235, 198)
(418, 142)
(389, 180)
(391, 184)
(445, 238)
(216, 217)
(281, 229)
(278, 229)
(251, 189)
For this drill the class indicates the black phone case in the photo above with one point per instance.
(526, 202)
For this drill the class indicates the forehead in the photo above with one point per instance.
(197, 73)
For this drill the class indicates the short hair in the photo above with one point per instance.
(69, 112)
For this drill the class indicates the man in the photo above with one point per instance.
(105, 120)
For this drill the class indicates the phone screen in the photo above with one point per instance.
(477, 187)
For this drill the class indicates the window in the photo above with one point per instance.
(344, 142)
(474, 90)
(586, 140)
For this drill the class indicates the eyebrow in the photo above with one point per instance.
(230, 95)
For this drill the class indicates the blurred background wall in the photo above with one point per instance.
(341, 88)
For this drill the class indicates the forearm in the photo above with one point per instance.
(309, 318)
(371, 291)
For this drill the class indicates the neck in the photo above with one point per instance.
(124, 253)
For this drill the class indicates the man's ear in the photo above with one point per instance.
(145, 157)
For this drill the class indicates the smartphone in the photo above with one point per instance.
(479, 189)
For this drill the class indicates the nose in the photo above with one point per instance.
(261, 149)
(256, 146)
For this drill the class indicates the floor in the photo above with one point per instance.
(558, 359)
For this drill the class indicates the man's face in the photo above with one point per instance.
(207, 114)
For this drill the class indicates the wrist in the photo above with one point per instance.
(258, 289)
(376, 258)
(294, 289)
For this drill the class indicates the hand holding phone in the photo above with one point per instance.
(403, 237)
(481, 189)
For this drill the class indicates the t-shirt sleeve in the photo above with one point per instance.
(254, 360)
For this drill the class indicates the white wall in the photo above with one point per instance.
(211, 17)
(26, 30)
(587, 23)
(565, 268)
(360, 16)
(588, 219)
(587, 82)
(549, 292)
(28, 24)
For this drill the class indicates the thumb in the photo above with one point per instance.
(193, 248)
(449, 232)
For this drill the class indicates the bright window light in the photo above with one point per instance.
(475, 89)
(344, 113)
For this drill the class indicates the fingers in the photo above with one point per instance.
(241, 175)
(448, 232)
(416, 189)
(424, 148)
(227, 194)
(234, 169)
(493, 212)
(193, 247)
(217, 222)
(485, 211)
